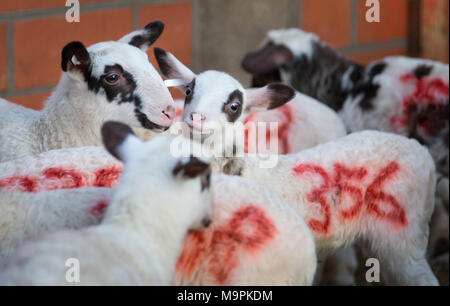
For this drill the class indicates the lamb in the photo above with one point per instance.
(108, 81)
(139, 241)
(211, 96)
(369, 185)
(27, 215)
(396, 94)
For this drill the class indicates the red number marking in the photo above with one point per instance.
(372, 197)
(318, 195)
(283, 129)
(60, 178)
(342, 176)
(248, 229)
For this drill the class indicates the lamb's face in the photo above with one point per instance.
(124, 78)
(125, 84)
(153, 175)
(277, 49)
(213, 99)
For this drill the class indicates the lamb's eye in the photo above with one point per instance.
(234, 107)
(188, 91)
(112, 79)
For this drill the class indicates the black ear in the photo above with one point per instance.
(171, 67)
(74, 56)
(267, 59)
(280, 94)
(269, 97)
(114, 134)
(144, 38)
(192, 168)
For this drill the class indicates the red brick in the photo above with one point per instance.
(3, 58)
(34, 101)
(393, 22)
(22, 5)
(177, 35)
(330, 19)
(38, 43)
(367, 57)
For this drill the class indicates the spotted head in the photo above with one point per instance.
(159, 181)
(216, 98)
(278, 49)
(116, 81)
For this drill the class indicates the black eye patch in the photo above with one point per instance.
(229, 108)
(124, 88)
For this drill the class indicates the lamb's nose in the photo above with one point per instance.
(169, 112)
(197, 117)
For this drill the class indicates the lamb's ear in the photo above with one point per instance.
(268, 97)
(171, 67)
(145, 37)
(191, 167)
(119, 139)
(267, 59)
(75, 59)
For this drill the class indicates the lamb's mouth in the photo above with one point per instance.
(150, 125)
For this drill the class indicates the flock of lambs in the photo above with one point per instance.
(362, 168)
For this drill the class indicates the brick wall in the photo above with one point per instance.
(204, 34)
(33, 33)
(342, 23)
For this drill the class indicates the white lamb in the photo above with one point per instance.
(107, 81)
(140, 239)
(215, 97)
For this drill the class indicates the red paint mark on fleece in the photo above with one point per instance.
(59, 178)
(318, 195)
(372, 197)
(248, 230)
(62, 178)
(19, 183)
(283, 129)
(107, 177)
(428, 93)
(375, 195)
(98, 210)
